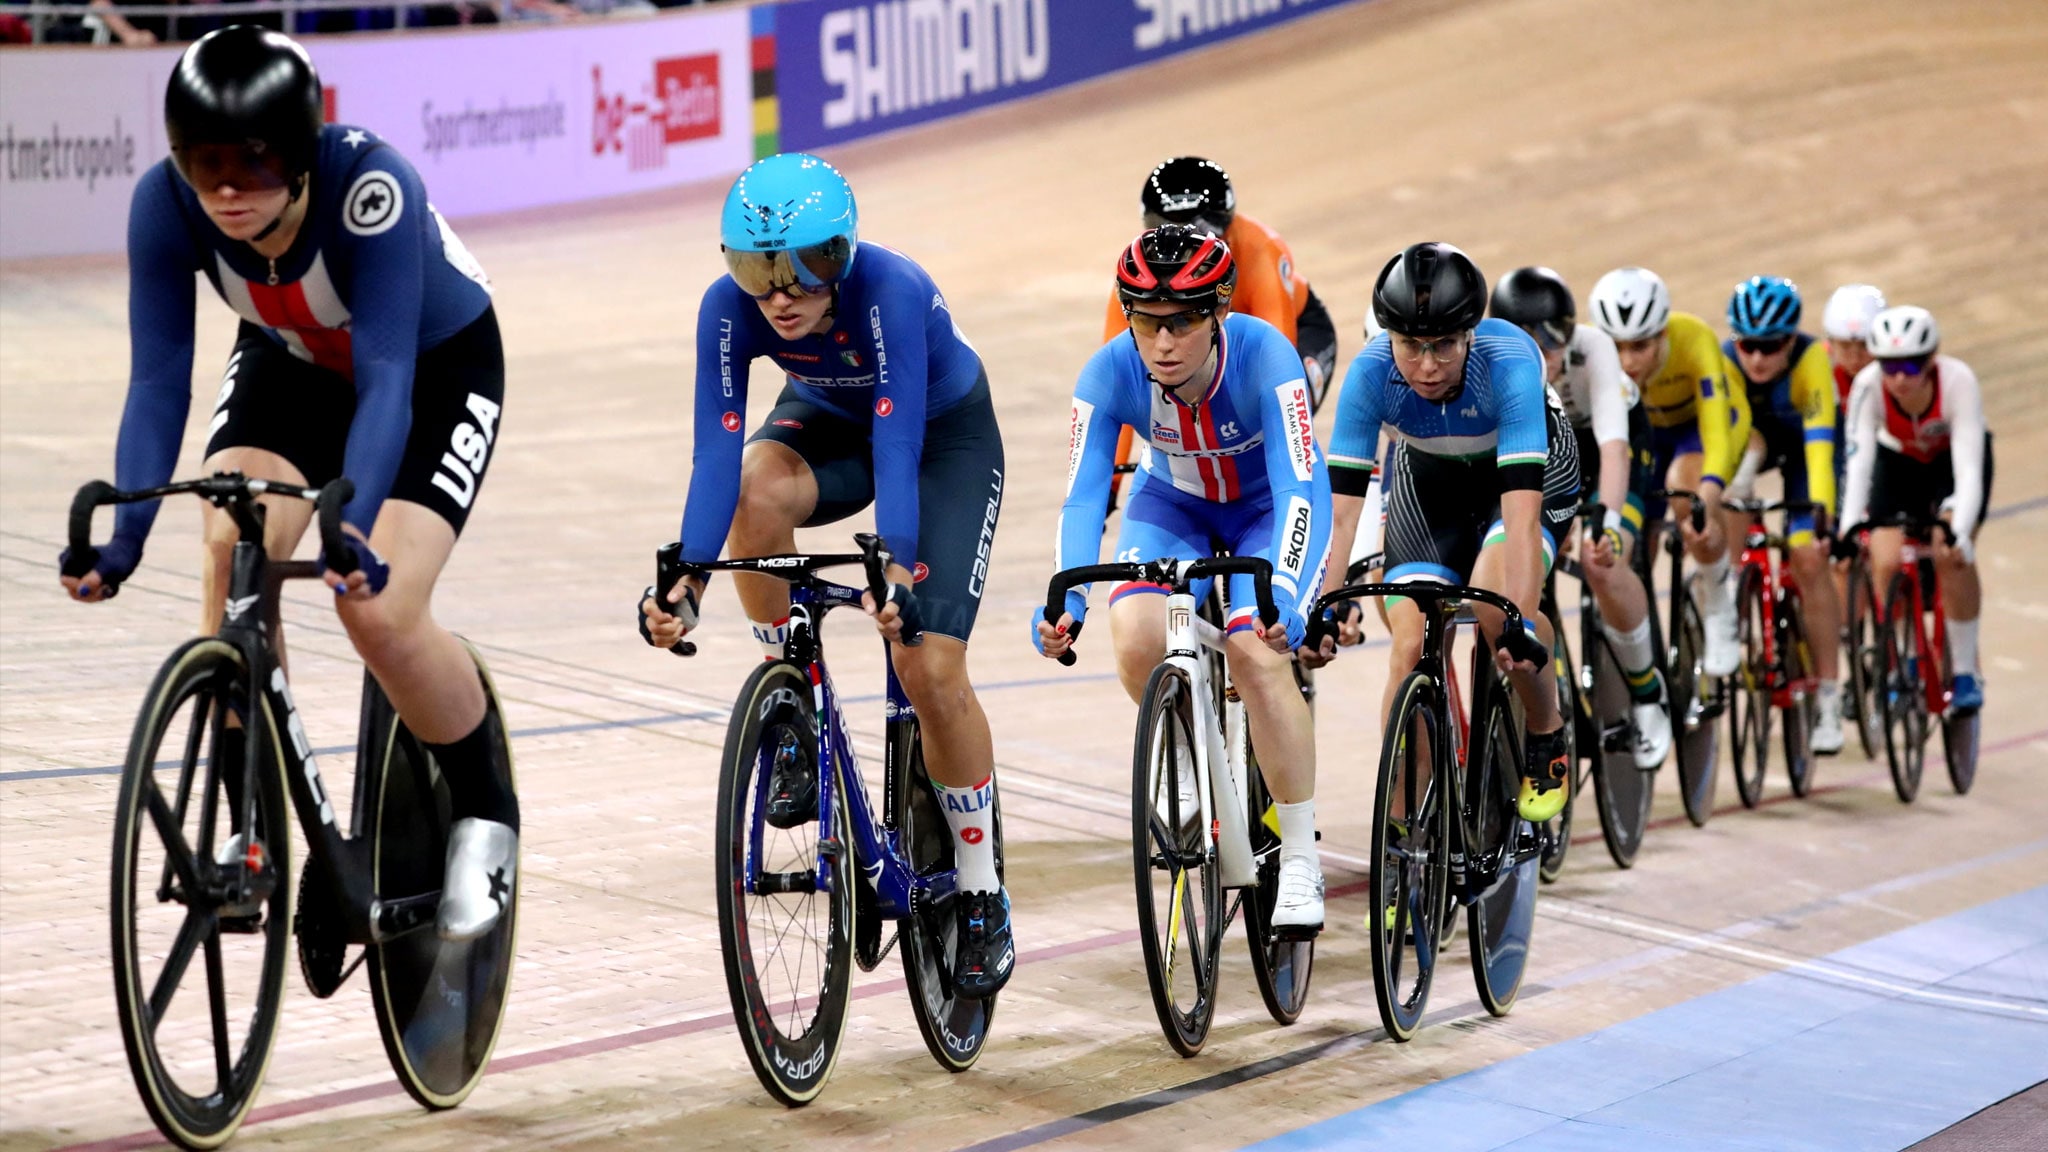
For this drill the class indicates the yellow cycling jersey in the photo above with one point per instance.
(1694, 385)
(1800, 404)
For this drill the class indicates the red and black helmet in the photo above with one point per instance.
(1177, 264)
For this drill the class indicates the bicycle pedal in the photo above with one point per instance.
(1292, 934)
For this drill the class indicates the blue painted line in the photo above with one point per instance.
(1871, 1049)
(2016, 509)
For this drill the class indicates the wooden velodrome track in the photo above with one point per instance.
(1893, 141)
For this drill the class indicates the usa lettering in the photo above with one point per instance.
(469, 449)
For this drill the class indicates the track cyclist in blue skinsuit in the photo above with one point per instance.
(1484, 477)
(1222, 404)
(368, 348)
(886, 404)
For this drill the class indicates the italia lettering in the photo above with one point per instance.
(901, 55)
(469, 448)
(965, 802)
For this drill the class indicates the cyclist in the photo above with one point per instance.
(1920, 446)
(887, 404)
(1846, 320)
(1613, 435)
(1196, 192)
(1698, 426)
(368, 348)
(1231, 461)
(1483, 481)
(1792, 412)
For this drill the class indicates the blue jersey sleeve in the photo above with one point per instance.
(163, 263)
(388, 286)
(896, 323)
(1355, 439)
(724, 351)
(1291, 470)
(1091, 459)
(1515, 368)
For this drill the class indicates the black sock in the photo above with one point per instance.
(476, 785)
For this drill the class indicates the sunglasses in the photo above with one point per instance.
(795, 272)
(1146, 325)
(1763, 347)
(1904, 365)
(243, 167)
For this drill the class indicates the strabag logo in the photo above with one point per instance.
(1301, 429)
(681, 103)
(901, 55)
(1077, 438)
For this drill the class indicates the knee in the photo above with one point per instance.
(1407, 650)
(385, 627)
(933, 674)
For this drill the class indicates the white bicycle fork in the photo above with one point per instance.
(1223, 742)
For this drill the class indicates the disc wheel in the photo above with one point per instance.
(1179, 884)
(1863, 647)
(1904, 694)
(440, 1004)
(1411, 845)
(1696, 700)
(1501, 919)
(787, 941)
(1799, 700)
(1623, 791)
(955, 1028)
(1749, 695)
(199, 1058)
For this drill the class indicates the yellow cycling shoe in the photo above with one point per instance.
(1548, 786)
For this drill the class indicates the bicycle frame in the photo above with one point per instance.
(1760, 553)
(1933, 638)
(1221, 795)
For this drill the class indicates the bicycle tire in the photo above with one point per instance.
(1749, 695)
(1282, 968)
(1695, 699)
(955, 1028)
(1622, 791)
(1556, 833)
(793, 1066)
(1411, 857)
(1866, 658)
(1800, 701)
(1501, 919)
(1166, 843)
(211, 674)
(440, 1005)
(1961, 739)
(1905, 699)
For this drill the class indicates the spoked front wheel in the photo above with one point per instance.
(191, 916)
(439, 1003)
(1749, 693)
(1410, 857)
(785, 895)
(1905, 694)
(1180, 894)
(1502, 918)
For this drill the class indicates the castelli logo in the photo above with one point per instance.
(918, 573)
(884, 406)
(971, 835)
(840, 338)
(731, 420)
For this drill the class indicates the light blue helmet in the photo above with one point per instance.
(1764, 307)
(789, 224)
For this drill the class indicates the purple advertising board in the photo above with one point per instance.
(845, 69)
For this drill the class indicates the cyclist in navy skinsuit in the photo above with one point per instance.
(368, 348)
(886, 404)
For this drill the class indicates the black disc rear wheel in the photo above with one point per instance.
(1502, 918)
(1623, 790)
(198, 981)
(1696, 702)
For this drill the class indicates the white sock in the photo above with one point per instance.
(1632, 647)
(971, 813)
(1830, 689)
(1720, 587)
(772, 637)
(1297, 828)
(1962, 646)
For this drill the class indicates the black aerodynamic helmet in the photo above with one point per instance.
(1429, 290)
(1188, 190)
(246, 86)
(1537, 300)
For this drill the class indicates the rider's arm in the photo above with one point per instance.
(1091, 455)
(162, 262)
(1964, 402)
(1859, 434)
(1722, 407)
(1609, 389)
(724, 351)
(902, 395)
(1354, 453)
(1520, 454)
(387, 290)
(1813, 390)
(1292, 469)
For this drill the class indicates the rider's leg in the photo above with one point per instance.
(1625, 621)
(1282, 731)
(1884, 548)
(959, 752)
(1823, 608)
(778, 491)
(1536, 689)
(1962, 599)
(1714, 573)
(1137, 630)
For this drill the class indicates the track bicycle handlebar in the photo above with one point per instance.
(1512, 635)
(229, 490)
(1699, 506)
(670, 567)
(1169, 571)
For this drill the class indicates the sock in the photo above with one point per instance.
(1720, 588)
(971, 813)
(1297, 828)
(772, 637)
(1638, 664)
(475, 786)
(1962, 646)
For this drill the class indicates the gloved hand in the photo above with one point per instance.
(116, 562)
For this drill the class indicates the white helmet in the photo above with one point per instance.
(1631, 304)
(1903, 331)
(1849, 311)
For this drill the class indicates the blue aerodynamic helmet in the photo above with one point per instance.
(789, 224)
(1764, 307)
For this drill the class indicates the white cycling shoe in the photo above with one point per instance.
(1653, 731)
(1827, 738)
(1298, 909)
(1724, 646)
(483, 871)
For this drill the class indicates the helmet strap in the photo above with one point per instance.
(298, 188)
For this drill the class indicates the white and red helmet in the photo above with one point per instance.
(1896, 333)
